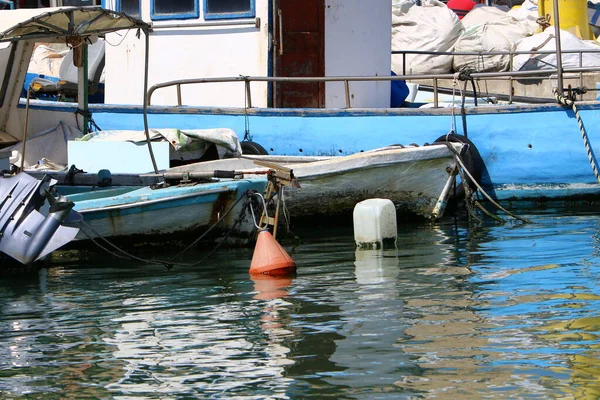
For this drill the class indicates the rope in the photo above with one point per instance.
(544, 21)
(120, 253)
(469, 202)
(465, 76)
(453, 119)
(91, 122)
(487, 196)
(566, 102)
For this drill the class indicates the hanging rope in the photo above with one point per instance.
(91, 123)
(118, 252)
(568, 103)
(468, 193)
(465, 76)
(453, 119)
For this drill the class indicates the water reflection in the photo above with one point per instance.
(506, 333)
(457, 310)
(371, 320)
(275, 320)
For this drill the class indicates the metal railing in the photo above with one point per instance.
(435, 78)
(511, 55)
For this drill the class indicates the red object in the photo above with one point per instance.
(270, 258)
(461, 7)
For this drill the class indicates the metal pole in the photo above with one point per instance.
(24, 139)
(146, 130)
(83, 87)
(559, 68)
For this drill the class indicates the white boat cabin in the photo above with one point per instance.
(275, 38)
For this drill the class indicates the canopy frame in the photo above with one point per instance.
(68, 23)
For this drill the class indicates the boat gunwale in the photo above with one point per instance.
(123, 206)
(45, 105)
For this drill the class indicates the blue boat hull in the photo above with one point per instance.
(530, 152)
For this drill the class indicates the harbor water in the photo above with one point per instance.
(457, 311)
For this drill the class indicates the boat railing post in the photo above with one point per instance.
(81, 47)
(435, 92)
(559, 68)
(347, 88)
(248, 95)
(581, 74)
(25, 127)
(179, 94)
(404, 63)
(511, 82)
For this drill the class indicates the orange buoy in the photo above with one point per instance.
(270, 258)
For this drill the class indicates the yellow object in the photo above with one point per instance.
(573, 16)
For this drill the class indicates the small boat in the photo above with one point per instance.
(169, 212)
(418, 179)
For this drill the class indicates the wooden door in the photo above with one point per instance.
(299, 51)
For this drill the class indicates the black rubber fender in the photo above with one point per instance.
(469, 156)
(253, 148)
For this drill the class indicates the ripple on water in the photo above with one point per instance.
(456, 310)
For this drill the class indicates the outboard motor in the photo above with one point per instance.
(27, 231)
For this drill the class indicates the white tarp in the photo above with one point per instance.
(186, 144)
(48, 148)
(546, 41)
(430, 27)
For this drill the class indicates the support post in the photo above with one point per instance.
(559, 68)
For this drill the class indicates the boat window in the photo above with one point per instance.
(174, 9)
(7, 55)
(220, 9)
(129, 7)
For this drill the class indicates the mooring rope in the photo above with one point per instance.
(487, 196)
(121, 253)
(566, 102)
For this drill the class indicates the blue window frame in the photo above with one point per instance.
(174, 9)
(129, 7)
(226, 9)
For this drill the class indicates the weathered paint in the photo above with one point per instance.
(145, 213)
(412, 177)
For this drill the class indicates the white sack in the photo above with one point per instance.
(498, 36)
(481, 15)
(545, 41)
(430, 27)
(526, 15)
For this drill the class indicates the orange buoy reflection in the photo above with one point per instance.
(271, 287)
